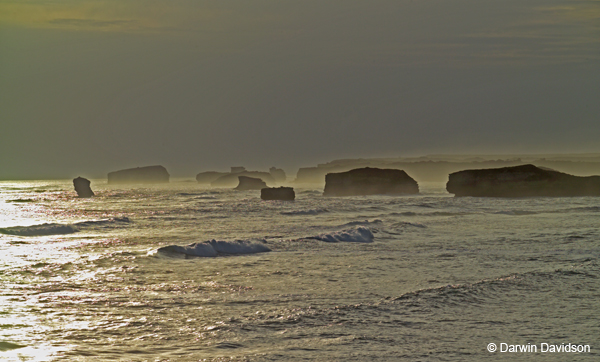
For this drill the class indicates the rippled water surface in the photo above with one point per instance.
(420, 278)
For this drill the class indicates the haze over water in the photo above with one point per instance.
(88, 87)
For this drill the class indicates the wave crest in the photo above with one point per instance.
(360, 235)
(214, 248)
(39, 230)
(59, 229)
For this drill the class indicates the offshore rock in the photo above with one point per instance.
(250, 183)
(369, 181)
(238, 169)
(521, 181)
(231, 179)
(278, 174)
(82, 187)
(140, 175)
(278, 193)
(209, 176)
(313, 174)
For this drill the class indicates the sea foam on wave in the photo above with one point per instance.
(214, 248)
(360, 234)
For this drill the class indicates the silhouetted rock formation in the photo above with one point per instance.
(521, 181)
(148, 174)
(278, 174)
(238, 169)
(369, 181)
(209, 176)
(231, 179)
(82, 187)
(250, 183)
(278, 193)
(436, 168)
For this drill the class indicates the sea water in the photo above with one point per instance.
(182, 272)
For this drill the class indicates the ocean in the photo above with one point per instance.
(183, 272)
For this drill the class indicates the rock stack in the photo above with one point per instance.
(370, 181)
(82, 187)
(521, 181)
(278, 193)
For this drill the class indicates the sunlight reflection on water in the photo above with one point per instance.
(23, 260)
(104, 293)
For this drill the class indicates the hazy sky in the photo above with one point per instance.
(88, 87)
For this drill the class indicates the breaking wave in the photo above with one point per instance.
(39, 230)
(59, 229)
(214, 248)
(360, 234)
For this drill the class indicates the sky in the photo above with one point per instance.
(89, 87)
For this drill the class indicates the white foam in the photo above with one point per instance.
(214, 248)
(360, 235)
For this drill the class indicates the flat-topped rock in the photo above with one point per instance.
(278, 193)
(147, 175)
(521, 181)
(231, 179)
(238, 169)
(250, 183)
(370, 181)
(82, 187)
